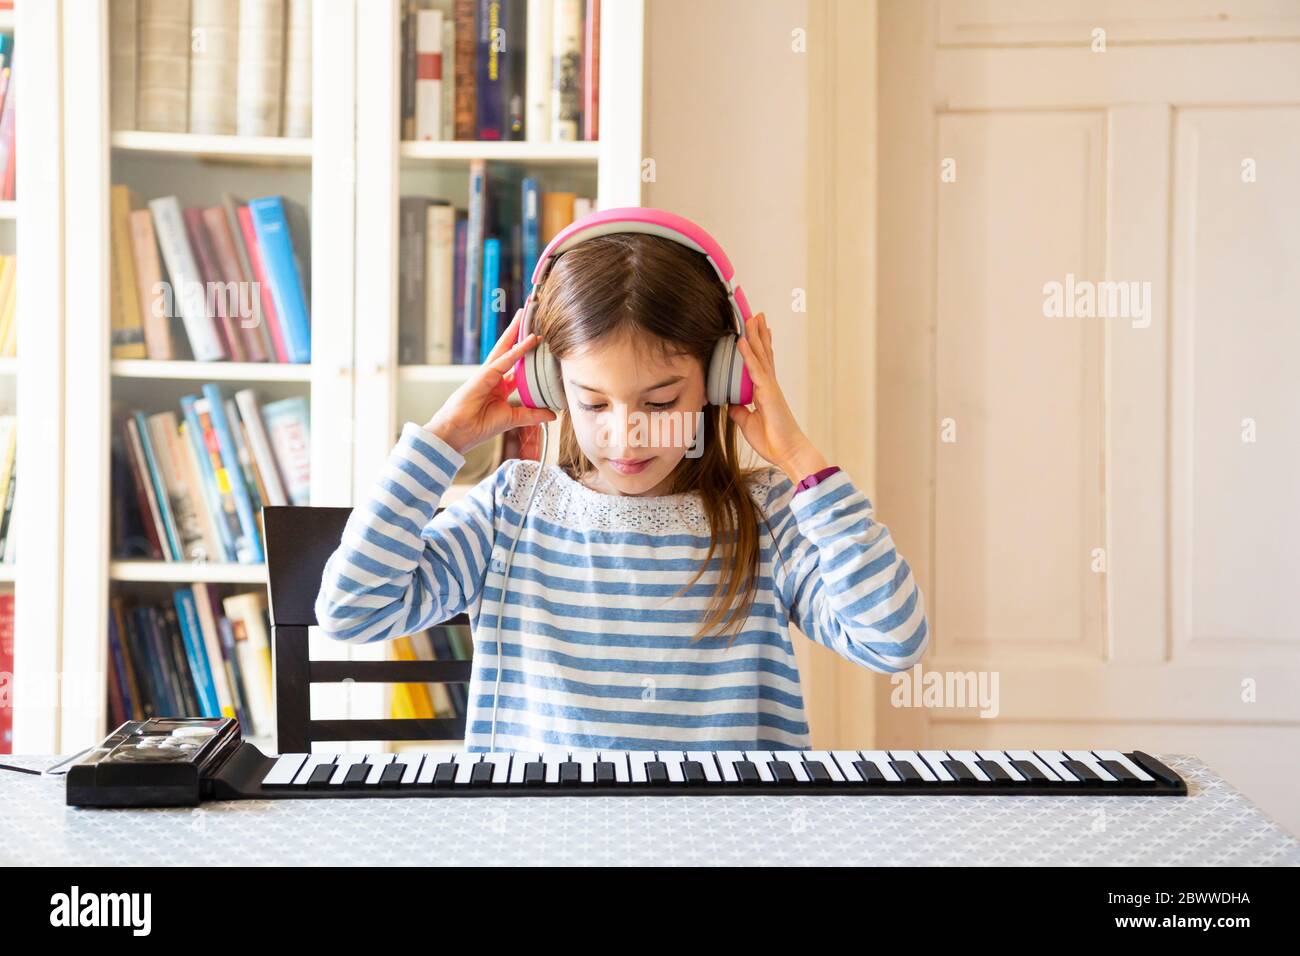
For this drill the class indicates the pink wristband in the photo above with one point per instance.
(816, 478)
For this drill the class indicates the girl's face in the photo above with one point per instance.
(635, 413)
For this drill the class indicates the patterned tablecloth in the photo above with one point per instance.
(1213, 825)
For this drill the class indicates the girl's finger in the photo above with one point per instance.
(502, 363)
(757, 365)
(767, 341)
(506, 339)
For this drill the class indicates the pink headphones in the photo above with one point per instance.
(537, 373)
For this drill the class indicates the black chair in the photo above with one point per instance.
(298, 543)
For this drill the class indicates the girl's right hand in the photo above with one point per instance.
(480, 408)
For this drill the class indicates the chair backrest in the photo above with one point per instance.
(299, 541)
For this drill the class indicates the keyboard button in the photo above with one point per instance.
(570, 773)
(994, 771)
(603, 773)
(285, 769)
(827, 760)
(481, 775)
(534, 773)
(693, 773)
(914, 759)
(958, 771)
(706, 760)
(391, 777)
(518, 762)
(746, 772)
(1116, 757)
(656, 772)
(444, 775)
(320, 776)
(356, 776)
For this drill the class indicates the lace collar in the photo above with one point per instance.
(566, 501)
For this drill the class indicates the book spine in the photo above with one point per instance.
(465, 13)
(566, 70)
(537, 65)
(428, 75)
(230, 462)
(187, 288)
(276, 247)
(261, 447)
(514, 19)
(261, 67)
(265, 293)
(473, 259)
(196, 654)
(591, 72)
(211, 489)
(488, 60)
(532, 248)
(440, 243)
(491, 296)
(289, 428)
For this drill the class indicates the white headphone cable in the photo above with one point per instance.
(505, 579)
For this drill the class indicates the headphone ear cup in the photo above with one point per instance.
(728, 382)
(542, 377)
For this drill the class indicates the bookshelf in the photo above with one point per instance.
(33, 228)
(349, 174)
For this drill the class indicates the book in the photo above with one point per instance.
(150, 290)
(566, 70)
(439, 286)
(285, 271)
(288, 426)
(187, 289)
(214, 66)
(123, 16)
(259, 88)
(488, 62)
(591, 72)
(6, 672)
(163, 66)
(537, 85)
(428, 74)
(248, 546)
(491, 297)
(473, 261)
(297, 69)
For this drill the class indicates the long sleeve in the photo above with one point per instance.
(400, 567)
(840, 578)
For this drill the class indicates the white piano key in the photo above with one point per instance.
(285, 769)
(465, 766)
(1003, 761)
(344, 763)
(881, 759)
(636, 760)
(968, 758)
(705, 760)
(1122, 760)
(553, 759)
(412, 759)
(518, 762)
(826, 760)
(587, 760)
(432, 761)
(500, 760)
(1056, 760)
(795, 760)
(619, 759)
(846, 760)
(1089, 760)
(726, 762)
(762, 761)
(935, 759)
(311, 763)
(1028, 755)
(377, 764)
(915, 760)
(672, 760)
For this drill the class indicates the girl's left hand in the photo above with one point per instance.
(771, 428)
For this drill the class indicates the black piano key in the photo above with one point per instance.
(959, 771)
(1121, 773)
(994, 771)
(746, 772)
(481, 775)
(445, 775)
(392, 775)
(782, 772)
(656, 772)
(320, 777)
(604, 771)
(356, 775)
(1081, 771)
(693, 771)
(534, 774)
(1029, 771)
(1156, 769)
(906, 772)
(570, 773)
(870, 772)
(817, 771)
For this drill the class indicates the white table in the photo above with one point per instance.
(1214, 825)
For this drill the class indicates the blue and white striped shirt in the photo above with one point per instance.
(597, 653)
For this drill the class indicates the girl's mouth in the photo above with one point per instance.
(629, 466)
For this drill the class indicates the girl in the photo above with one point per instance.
(653, 582)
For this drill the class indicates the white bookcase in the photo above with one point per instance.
(352, 170)
(33, 228)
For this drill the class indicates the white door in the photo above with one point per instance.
(1090, 374)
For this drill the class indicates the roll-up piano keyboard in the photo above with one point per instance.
(184, 761)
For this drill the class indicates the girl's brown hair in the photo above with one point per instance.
(663, 293)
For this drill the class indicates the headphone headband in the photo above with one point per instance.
(650, 221)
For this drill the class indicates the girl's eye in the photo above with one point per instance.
(662, 404)
(591, 408)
